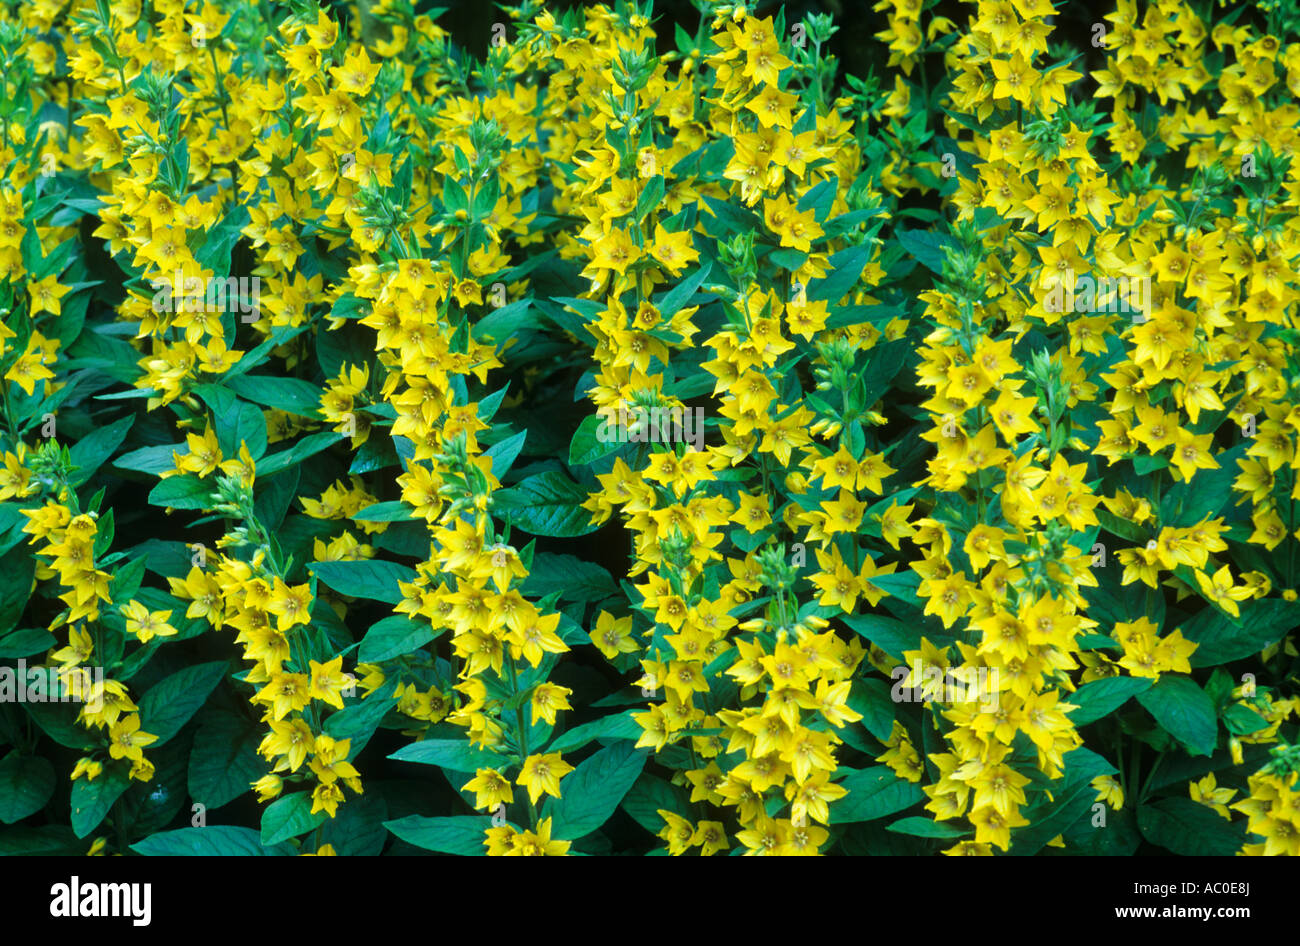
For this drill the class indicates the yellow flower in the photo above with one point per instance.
(710, 836)
(614, 251)
(490, 788)
(538, 843)
(1206, 792)
(1222, 591)
(547, 700)
(290, 741)
(286, 693)
(1109, 791)
(126, 740)
(146, 624)
(677, 831)
(797, 229)
(673, 250)
(45, 295)
(326, 797)
(328, 681)
(613, 636)
(541, 774)
(80, 646)
(268, 787)
(90, 768)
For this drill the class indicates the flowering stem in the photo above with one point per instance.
(521, 733)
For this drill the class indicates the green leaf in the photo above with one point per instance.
(1071, 798)
(59, 722)
(393, 636)
(357, 829)
(11, 525)
(502, 323)
(370, 578)
(925, 828)
(273, 497)
(26, 784)
(171, 702)
(592, 791)
(587, 447)
(1118, 837)
(291, 395)
(287, 817)
(1186, 504)
(182, 492)
(1242, 720)
(458, 834)
(845, 222)
(820, 198)
(885, 363)
(455, 755)
(280, 335)
(678, 296)
(926, 247)
(26, 641)
(548, 504)
(729, 219)
(874, 793)
(235, 422)
(648, 795)
(304, 448)
(1184, 711)
(152, 460)
(45, 841)
(224, 762)
(845, 272)
(1219, 641)
(787, 258)
(573, 578)
(213, 252)
(359, 721)
(1190, 829)
(902, 585)
(214, 841)
(651, 195)
(618, 726)
(889, 634)
(1121, 527)
(1111, 603)
(92, 800)
(126, 581)
(1102, 697)
(92, 450)
(503, 453)
(18, 566)
(392, 511)
(151, 806)
(871, 698)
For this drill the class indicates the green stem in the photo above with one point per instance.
(1146, 785)
(123, 845)
(1291, 540)
(521, 733)
(219, 88)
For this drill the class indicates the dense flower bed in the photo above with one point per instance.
(607, 448)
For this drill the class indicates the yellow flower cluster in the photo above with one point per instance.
(617, 423)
